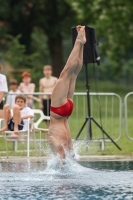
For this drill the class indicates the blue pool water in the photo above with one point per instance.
(74, 181)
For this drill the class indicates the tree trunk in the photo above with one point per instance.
(56, 52)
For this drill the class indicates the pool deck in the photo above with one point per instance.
(81, 158)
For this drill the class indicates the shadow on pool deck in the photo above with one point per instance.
(81, 158)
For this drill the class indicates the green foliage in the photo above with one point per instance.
(39, 44)
(114, 27)
(15, 53)
(44, 24)
(50, 17)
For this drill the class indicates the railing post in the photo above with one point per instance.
(28, 139)
(126, 115)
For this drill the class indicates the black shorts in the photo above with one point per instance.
(11, 125)
(1, 105)
(46, 106)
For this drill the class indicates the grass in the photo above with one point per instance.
(124, 142)
(110, 124)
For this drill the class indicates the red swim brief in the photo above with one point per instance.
(64, 110)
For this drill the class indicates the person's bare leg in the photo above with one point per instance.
(6, 116)
(57, 147)
(16, 118)
(75, 74)
(71, 93)
(65, 77)
(1, 114)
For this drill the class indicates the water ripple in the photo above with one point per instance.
(101, 180)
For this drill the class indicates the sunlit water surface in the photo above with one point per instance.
(72, 181)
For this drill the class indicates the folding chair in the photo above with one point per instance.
(21, 138)
(42, 118)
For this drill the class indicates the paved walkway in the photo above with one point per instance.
(81, 158)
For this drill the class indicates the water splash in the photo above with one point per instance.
(67, 166)
(70, 165)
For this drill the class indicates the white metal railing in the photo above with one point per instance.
(111, 112)
(128, 102)
(108, 110)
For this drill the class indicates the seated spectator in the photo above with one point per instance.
(16, 119)
(28, 87)
(3, 91)
(12, 93)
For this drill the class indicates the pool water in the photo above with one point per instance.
(73, 181)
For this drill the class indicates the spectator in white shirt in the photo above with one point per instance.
(3, 91)
(12, 93)
(16, 119)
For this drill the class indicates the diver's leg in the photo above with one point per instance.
(70, 96)
(75, 74)
(60, 92)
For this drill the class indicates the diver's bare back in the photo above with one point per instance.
(58, 129)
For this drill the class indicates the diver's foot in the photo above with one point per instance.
(78, 28)
(81, 34)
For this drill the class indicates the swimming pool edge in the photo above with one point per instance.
(80, 158)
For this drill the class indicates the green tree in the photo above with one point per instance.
(15, 53)
(114, 26)
(54, 17)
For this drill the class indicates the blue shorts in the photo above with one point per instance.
(11, 125)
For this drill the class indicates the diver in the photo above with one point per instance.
(59, 136)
